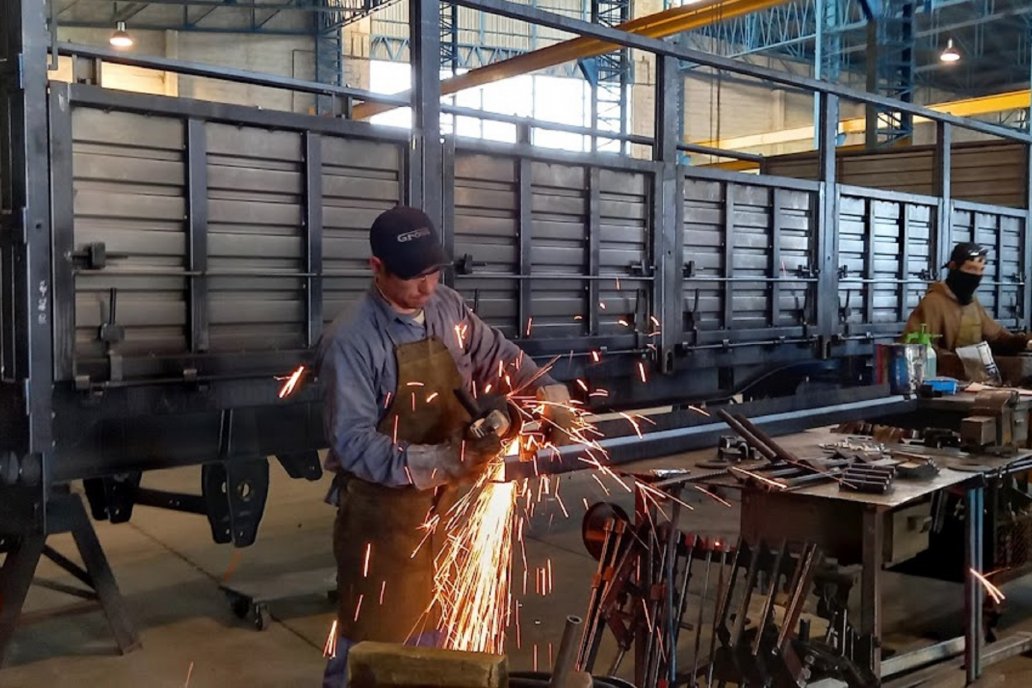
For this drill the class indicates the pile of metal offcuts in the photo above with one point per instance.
(744, 616)
(863, 467)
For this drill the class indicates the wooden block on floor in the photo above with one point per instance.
(385, 665)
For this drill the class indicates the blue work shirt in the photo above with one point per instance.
(358, 370)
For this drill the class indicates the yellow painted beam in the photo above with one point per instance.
(659, 25)
(970, 107)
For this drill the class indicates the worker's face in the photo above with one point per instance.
(974, 266)
(405, 294)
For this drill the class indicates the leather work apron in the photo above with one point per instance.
(970, 331)
(388, 519)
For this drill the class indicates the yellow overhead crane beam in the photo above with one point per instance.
(659, 25)
(970, 107)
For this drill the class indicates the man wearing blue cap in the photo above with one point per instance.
(396, 429)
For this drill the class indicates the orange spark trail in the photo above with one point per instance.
(383, 589)
(994, 592)
(365, 562)
(641, 371)
(291, 383)
(330, 646)
(713, 496)
(358, 607)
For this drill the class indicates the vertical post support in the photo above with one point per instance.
(524, 230)
(63, 230)
(973, 593)
(1026, 246)
(827, 235)
(728, 261)
(903, 311)
(870, 593)
(594, 248)
(313, 233)
(943, 188)
(667, 214)
(427, 164)
(197, 232)
(25, 234)
(776, 201)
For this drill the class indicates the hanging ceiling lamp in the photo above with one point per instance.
(950, 54)
(121, 38)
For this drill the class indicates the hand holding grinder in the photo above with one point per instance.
(492, 417)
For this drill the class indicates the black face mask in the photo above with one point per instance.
(963, 285)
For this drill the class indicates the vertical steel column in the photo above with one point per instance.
(998, 289)
(1026, 265)
(25, 228)
(313, 234)
(870, 230)
(426, 169)
(667, 214)
(729, 256)
(594, 247)
(62, 232)
(524, 231)
(943, 188)
(904, 261)
(776, 204)
(827, 224)
(197, 232)
(870, 593)
(448, 206)
(973, 593)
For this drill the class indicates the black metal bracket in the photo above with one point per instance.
(111, 498)
(466, 264)
(235, 493)
(303, 464)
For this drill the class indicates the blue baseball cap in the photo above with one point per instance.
(407, 242)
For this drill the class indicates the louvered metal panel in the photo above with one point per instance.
(129, 194)
(886, 258)
(1002, 291)
(747, 256)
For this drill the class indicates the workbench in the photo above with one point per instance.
(851, 526)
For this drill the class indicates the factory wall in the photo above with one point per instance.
(282, 55)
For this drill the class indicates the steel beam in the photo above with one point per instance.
(969, 107)
(660, 25)
(427, 164)
(659, 47)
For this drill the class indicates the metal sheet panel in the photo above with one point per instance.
(747, 254)
(360, 179)
(886, 257)
(128, 178)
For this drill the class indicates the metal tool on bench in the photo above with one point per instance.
(731, 449)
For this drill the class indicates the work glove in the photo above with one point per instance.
(559, 417)
(461, 458)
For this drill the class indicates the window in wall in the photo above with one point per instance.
(555, 99)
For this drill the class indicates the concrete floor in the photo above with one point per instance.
(169, 572)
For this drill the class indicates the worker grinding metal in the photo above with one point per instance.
(954, 316)
(399, 435)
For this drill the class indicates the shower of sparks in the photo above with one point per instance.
(602, 305)
(291, 384)
(189, 673)
(475, 568)
(387, 399)
(624, 322)
(618, 284)
(700, 410)
(530, 325)
(641, 371)
(472, 581)
(994, 592)
(329, 649)
(431, 397)
(655, 322)
(596, 356)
